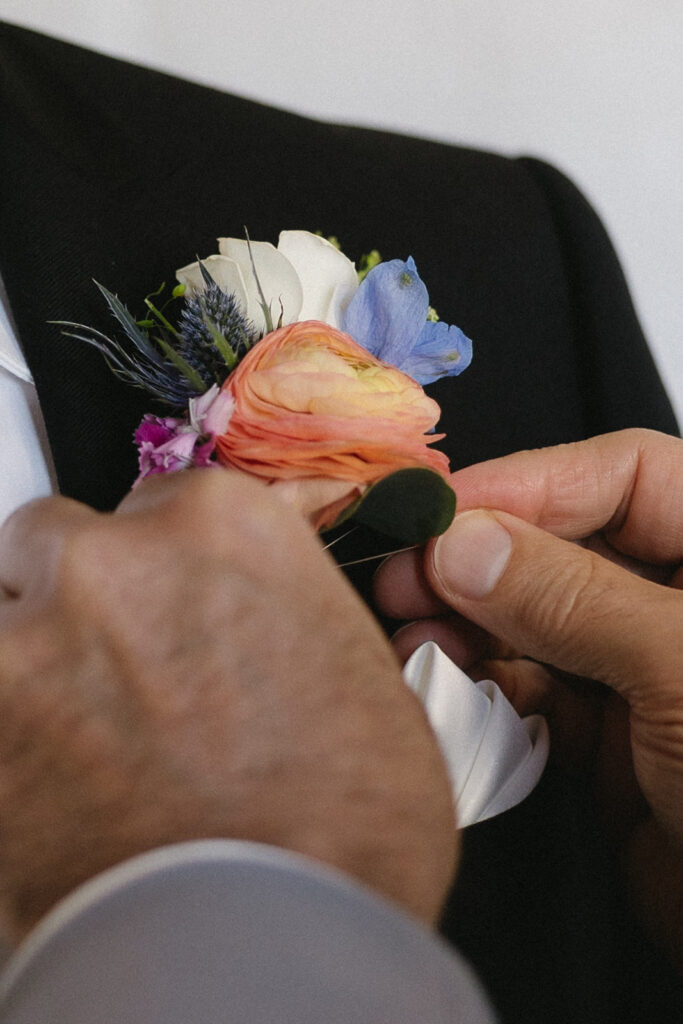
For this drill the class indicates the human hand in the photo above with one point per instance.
(546, 611)
(191, 666)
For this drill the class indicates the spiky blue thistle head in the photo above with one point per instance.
(174, 364)
(213, 333)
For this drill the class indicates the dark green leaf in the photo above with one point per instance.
(411, 505)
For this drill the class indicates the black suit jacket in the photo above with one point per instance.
(114, 172)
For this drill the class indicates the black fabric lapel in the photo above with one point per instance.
(120, 174)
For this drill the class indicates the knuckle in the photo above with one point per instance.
(80, 558)
(639, 436)
(576, 596)
(588, 618)
(101, 566)
(220, 507)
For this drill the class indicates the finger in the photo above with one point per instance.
(32, 541)
(155, 490)
(616, 784)
(222, 511)
(530, 686)
(597, 543)
(562, 604)
(676, 580)
(162, 489)
(401, 589)
(462, 641)
(589, 732)
(572, 707)
(629, 484)
(320, 499)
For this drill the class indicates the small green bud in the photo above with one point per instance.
(432, 315)
(179, 291)
(367, 261)
(332, 239)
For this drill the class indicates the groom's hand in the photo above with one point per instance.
(536, 611)
(195, 666)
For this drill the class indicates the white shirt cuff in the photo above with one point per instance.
(226, 930)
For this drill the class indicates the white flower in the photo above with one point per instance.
(304, 278)
(328, 278)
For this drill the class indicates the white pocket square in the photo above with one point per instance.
(494, 757)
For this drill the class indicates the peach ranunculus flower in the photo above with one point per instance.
(312, 403)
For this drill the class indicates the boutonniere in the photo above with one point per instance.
(287, 363)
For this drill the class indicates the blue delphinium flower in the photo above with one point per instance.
(388, 317)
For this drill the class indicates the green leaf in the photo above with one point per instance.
(180, 364)
(263, 304)
(160, 316)
(220, 341)
(411, 505)
(127, 321)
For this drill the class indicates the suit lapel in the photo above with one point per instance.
(121, 174)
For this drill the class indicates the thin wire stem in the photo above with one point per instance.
(336, 540)
(372, 558)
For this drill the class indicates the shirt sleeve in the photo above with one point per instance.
(223, 930)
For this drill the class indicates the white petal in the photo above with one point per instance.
(225, 272)
(327, 276)
(278, 278)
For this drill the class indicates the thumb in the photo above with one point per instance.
(561, 604)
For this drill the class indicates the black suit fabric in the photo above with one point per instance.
(122, 174)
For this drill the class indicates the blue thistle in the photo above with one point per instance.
(213, 334)
(172, 364)
(150, 364)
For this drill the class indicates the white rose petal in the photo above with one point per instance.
(225, 272)
(278, 279)
(305, 278)
(341, 296)
(328, 277)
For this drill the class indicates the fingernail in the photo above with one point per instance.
(471, 556)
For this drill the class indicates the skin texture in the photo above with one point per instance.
(565, 587)
(194, 665)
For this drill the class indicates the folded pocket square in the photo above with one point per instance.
(494, 757)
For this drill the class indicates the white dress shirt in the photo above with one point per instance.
(26, 468)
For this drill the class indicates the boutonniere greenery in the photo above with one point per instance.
(290, 364)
